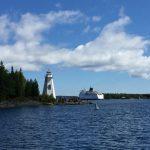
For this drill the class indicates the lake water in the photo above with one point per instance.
(117, 124)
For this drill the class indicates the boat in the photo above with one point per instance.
(96, 106)
(90, 95)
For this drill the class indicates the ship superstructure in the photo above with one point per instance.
(90, 95)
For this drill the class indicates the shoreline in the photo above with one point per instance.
(6, 104)
(16, 103)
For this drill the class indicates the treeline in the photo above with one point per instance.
(13, 84)
(126, 96)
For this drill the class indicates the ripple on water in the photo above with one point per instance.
(116, 125)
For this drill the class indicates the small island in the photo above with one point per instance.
(16, 90)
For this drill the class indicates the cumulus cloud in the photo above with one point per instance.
(87, 29)
(31, 26)
(121, 12)
(58, 5)
(113, 50)
(4, 28)
(96, 18)
(23, 42)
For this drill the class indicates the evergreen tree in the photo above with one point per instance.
(4, 81)
(35, 88)
(13, 84)
(19, 83)
(31, 88)
(12, 70)
(28, 88)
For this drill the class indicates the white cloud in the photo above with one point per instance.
(4, 29)
(121, 12)
(96, 29)
(87, 29)
(30, 27)
(58, 5)
(27, 47)
(113, 50)
(96, 18)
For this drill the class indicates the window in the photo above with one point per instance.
(49, 87)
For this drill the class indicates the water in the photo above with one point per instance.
(117, 124)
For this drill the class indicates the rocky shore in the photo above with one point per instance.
(10, 104)
(19, 103)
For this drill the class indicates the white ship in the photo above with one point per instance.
(90, 95)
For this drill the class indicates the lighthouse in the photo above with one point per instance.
(49, 85)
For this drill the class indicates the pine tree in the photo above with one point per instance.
(4, 82)
(12, 93)
(35, 88)
(19, 83)
(12, 70)
(28, 88)
(31, 88)
(13, 84)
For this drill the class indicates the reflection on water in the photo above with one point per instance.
(116, 125)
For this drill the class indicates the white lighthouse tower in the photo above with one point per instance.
(49, 85)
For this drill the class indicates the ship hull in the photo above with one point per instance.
(91, 97)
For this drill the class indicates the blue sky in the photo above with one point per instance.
(99, 43)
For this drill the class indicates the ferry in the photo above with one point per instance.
(90, 95)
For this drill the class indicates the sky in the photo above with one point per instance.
(100, 43)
